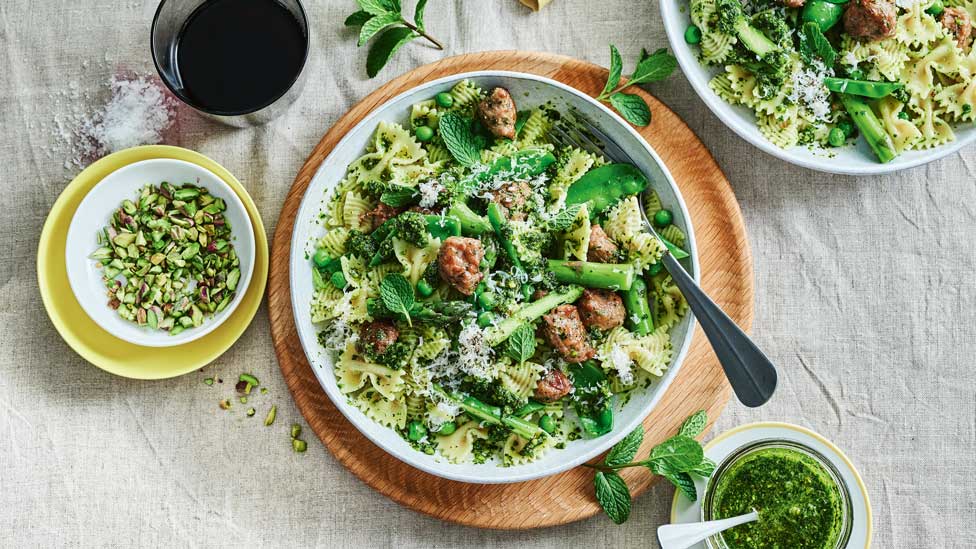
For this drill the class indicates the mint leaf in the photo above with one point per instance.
(460, 140)
(521, 344)
(694, 425)
(376, 7)
(358, 19)
(565, 218)
(632, 108)
(814, 43)
(625, 450)
(677, 454)
(704, 469)
(683, 482)
(418, 15)
(643, 55)
(385, 46)
(375, 25)
(654, 67)
(397, 295)
(398, 197)
(616, 68)
(613, 495)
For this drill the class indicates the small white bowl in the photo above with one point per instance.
(529, 90)
(851, 160)
(95, 212)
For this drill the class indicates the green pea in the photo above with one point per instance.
(338, 280)
(423, 133)
(847, 127)
(693, 34)
(654, 268)
(903, 115)
(547, 424)
(487, 301)
(663, 218)
(416, 431)
(936, 8)
(824, 14)
(424, 288)
(447, 428)
(444, 99)
(321, 257)
(836, 137)
(485, 318)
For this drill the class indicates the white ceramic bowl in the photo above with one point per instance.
(852, 160)
(95, 212)
(529, 90)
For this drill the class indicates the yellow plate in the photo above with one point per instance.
(98, 346)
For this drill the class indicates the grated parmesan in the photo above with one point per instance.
(808, 90)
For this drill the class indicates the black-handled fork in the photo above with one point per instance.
(751, 374)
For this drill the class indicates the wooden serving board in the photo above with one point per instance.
(726, 265)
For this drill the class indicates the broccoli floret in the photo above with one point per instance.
(361, 244)
(771, 72)
(411, 227)
(772, 23)
(729, 12)
(396, 355)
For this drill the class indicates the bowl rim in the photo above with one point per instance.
(691, 68)
(75, 272)
(412, 458)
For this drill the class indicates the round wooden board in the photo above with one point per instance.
(726, 275)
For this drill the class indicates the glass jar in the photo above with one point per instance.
(709, 503)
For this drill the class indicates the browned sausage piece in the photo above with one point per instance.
(459, 262)
(553, 386)
(601, 309)
(959, 23)
(602, 249)
(379, 215)
(870, 20)
(793, 3)
(376, 336)
(511, 198)
(566, 333)
(497, 113)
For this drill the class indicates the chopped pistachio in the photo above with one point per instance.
(272, 413)
(299, 445)
(250, 412)
(296, 430)
(243, 400)
(209, 381)
(225, 404)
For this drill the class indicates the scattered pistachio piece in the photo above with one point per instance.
(243, 400)
(250, 412)
(250, 379)
(264, 390)
(272, 414)
(225, 404)
(296, 430)
(208, 381)
(299, 445)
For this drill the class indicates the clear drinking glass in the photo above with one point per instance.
(168, 24)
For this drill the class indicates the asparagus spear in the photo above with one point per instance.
(870, 126)
(499, 224)
(529, 312)
(491, 414)
(593, 275)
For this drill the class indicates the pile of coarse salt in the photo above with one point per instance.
(138, 112)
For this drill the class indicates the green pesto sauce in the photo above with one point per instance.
(799, 504)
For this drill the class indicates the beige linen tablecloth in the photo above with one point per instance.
(865, 299)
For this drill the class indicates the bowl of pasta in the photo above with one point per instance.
(482, 304)
(841, 86)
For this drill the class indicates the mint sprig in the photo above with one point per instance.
(566, 217)
(651, 67)
(384, 19)
(521, 344)
(397, 295)
(676, 459)
(460, 139)
(814, 43)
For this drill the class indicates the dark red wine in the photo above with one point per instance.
(237, 56)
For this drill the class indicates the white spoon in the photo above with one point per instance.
(682, 536)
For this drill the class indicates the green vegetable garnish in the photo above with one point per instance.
(384, 18)
(693, 34)
(650, 68)
(521, 344)
(459, 138)
(676, 459)
(423, 133)
(397, 295)
(444, 100)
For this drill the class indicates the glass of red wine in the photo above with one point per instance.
(236, 61)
